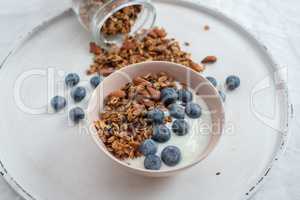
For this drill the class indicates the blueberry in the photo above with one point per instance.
(161, 133)
(232, 82)
(185, 95)
(212, 80)
(193, 110)
(180, 127)
(222, 95)
(95, 81)
(176, 111)
(171, 155)
(72, 79)
(148, 147)
(78, 94)
(76, 114)
(168, 95)
(156, 116)
(58, 103)
(152, 162)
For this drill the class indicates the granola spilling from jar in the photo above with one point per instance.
(155, 46)
(123, 125)
(122, 21)
(119, 23)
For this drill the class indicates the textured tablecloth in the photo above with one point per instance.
(275, 22)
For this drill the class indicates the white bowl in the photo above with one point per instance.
(180, 73)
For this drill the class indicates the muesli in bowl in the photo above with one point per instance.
(156, 118)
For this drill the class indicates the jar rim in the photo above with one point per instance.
(147, 18)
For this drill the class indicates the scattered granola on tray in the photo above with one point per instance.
(123, 125)
(155, 46)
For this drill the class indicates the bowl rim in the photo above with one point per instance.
(99, 143)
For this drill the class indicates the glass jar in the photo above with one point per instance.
(95, 15)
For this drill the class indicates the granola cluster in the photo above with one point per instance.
(155, 46)
(123, 125)
(122, 21)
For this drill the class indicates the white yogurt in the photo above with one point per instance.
(191, 145)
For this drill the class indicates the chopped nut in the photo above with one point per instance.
(154, 93)
(209, 59)
(106, 71)
(95, 49)
(118, 93)
(197, 67)
(160, 32)
(141, 81)
(145, 93)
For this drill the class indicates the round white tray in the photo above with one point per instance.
(43, 156)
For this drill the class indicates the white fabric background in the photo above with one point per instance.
(275, 22)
